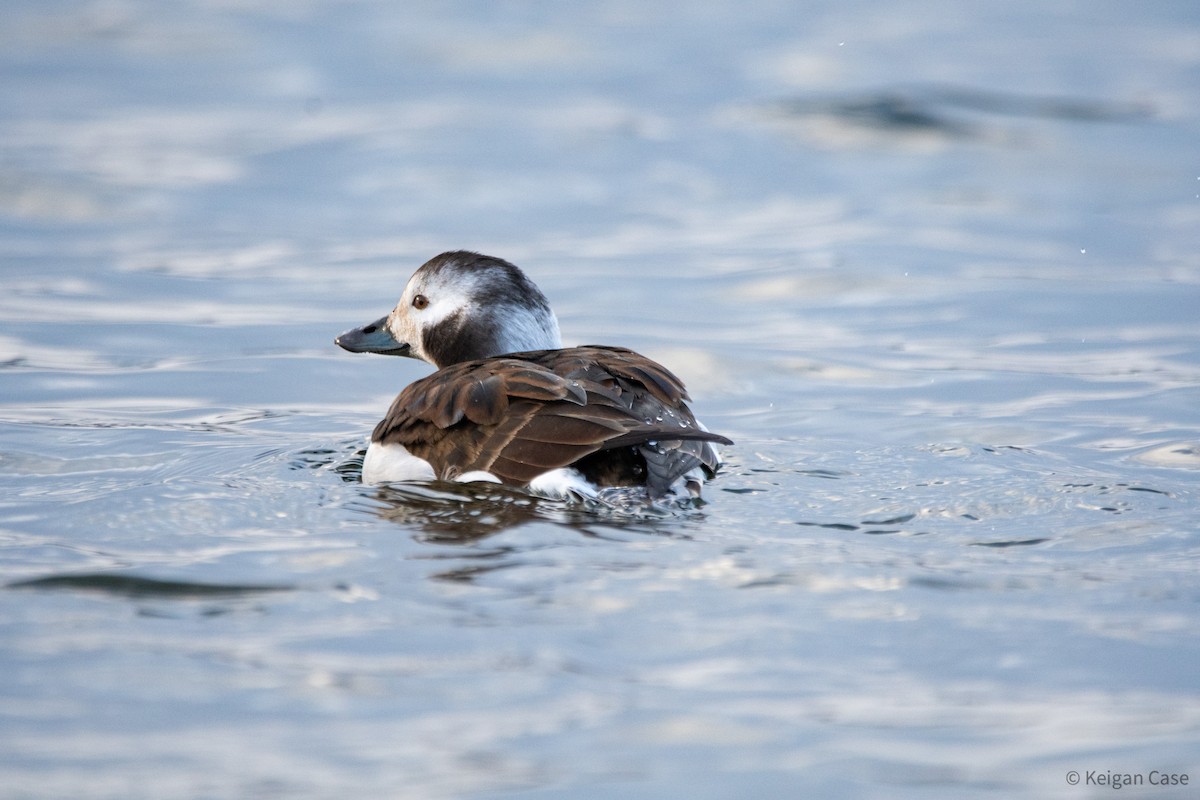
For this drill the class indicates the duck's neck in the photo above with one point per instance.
(502, 331)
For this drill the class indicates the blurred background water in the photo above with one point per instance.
(935, 267)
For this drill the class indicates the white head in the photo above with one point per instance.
(461, 306)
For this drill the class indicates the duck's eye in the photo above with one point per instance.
(420, 302)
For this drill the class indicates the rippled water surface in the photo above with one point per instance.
(935, 268)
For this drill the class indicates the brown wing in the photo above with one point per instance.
(608, 411)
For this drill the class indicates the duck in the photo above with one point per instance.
(509, 404)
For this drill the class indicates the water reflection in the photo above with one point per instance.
(454, 513)
(449, 513)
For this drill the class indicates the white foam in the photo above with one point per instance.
(562, 484)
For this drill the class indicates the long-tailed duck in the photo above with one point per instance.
(509, 404)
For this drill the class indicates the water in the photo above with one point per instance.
(933, 269)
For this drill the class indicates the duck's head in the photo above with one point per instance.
(461, 306)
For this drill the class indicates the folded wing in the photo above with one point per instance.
(616, 416)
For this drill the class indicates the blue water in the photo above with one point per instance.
(934, 268)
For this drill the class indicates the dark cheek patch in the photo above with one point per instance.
(451, 341)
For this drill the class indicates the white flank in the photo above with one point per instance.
(477, 476)
(387, 463)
